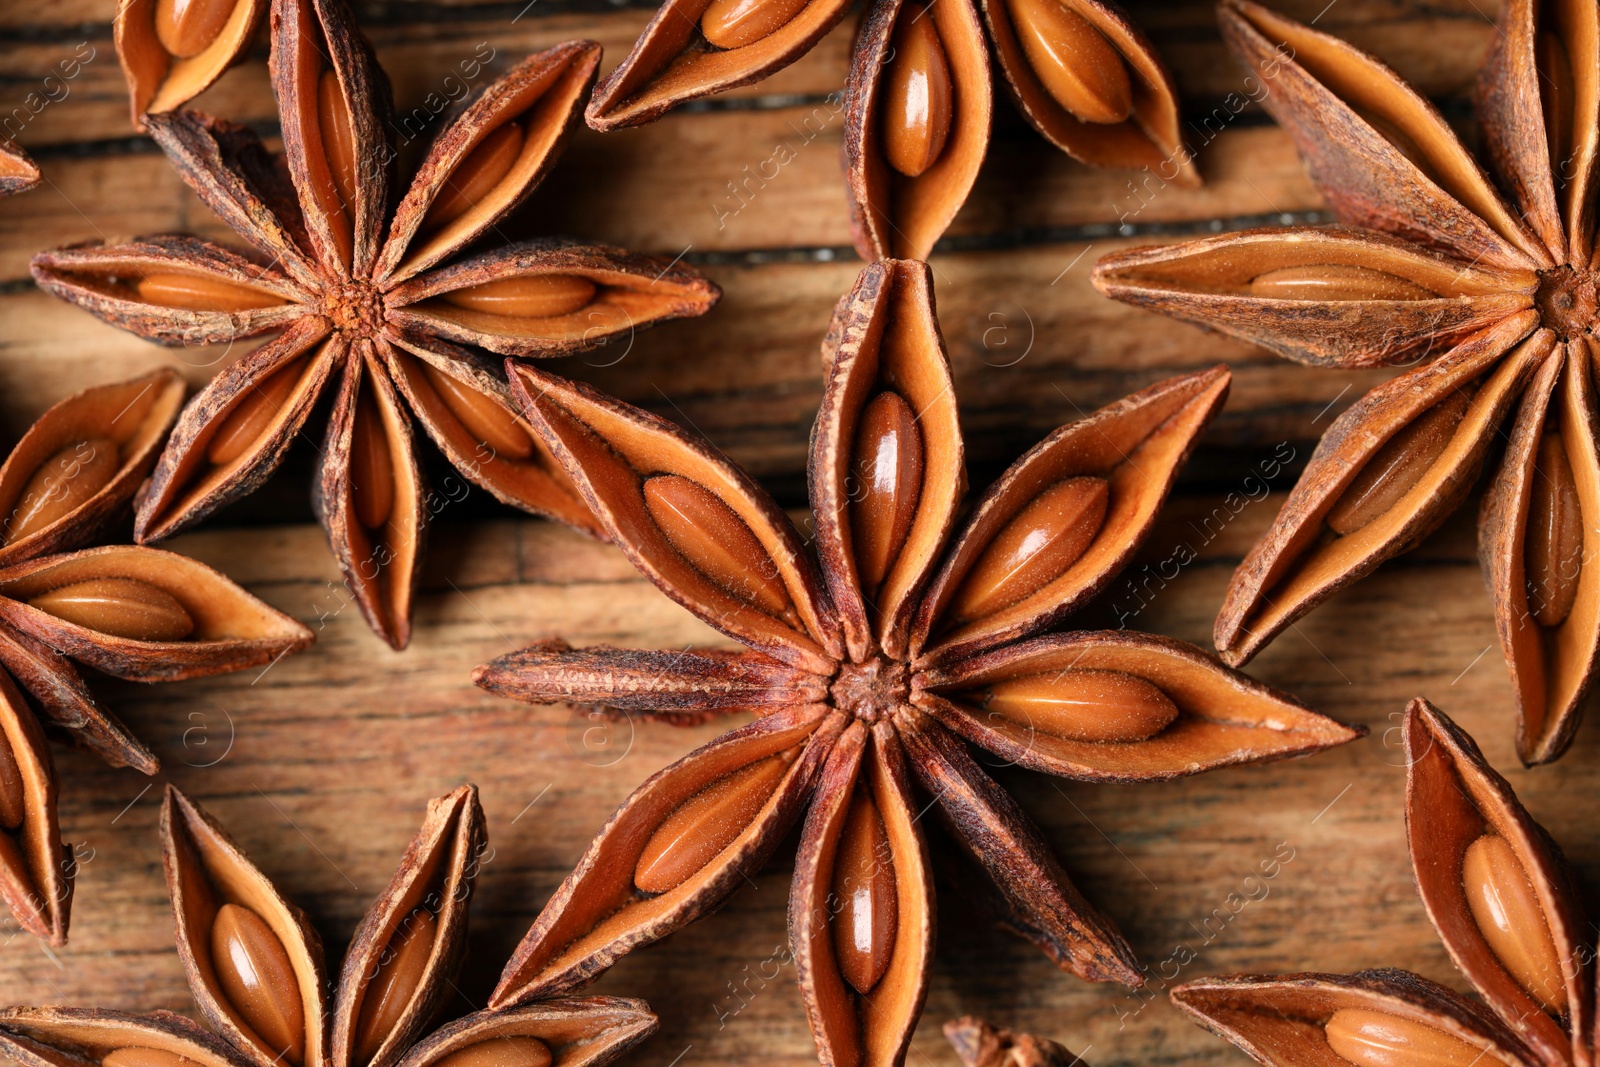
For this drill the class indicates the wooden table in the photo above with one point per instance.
(322, 764)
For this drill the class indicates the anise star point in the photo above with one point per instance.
(871, 664)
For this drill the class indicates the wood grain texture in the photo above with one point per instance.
(322, 765)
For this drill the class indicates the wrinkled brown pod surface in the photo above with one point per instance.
(863, 673)
(981, 1044)
(1503, 901)
(917, 111)
(18, 172)
(172, 50)
(360, 281)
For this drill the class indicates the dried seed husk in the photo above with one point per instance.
(1279, 1019)
(132, 416)
(1297, 563)
(82, 1037)
(18, 173)
(893, 216)
(36, 868)
(103, 279)
(1208, 282)
(884, 336)
(186, 485)
(980, 1044)
(609, 448)
(380, 564)
(598, 915)
(205, 870)
(67, 706)
(542, 94)
(1224, 718)
(1453, 797)
(632, 292)
(232, 629)
(534, 482)
(1552, 177)
(1551, 666)
(678, 686)
(1336, 103)
(437, 873)
(1039, 901)
(1137, 444)
(875, 1026)
(309, 39)
(1149, 137)
(159, 81)
(578, 1031)
(671, 63)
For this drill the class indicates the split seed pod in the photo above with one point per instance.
(695, 48)
(980, 1044)
(18, 173)
(1489, 300)
(917, 112)
(254, 965)
(865, 665)
(369, 299)
(1088, 79)
(1506, 907)
(173, 50)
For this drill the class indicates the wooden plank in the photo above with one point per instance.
(321, 765)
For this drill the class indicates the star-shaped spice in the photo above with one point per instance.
(255, 969)
(128, 611)
(1490, 305)
(980, 1044)
(1504, 902)
(871, 665)
(368, 299)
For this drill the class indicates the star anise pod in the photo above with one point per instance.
(255, 968)
(366, 300)
(131, 612)
(1483, 302)
(1080, 72)
(871, 664)
(980, 1044)
(1504, 902)
(18, 172)
(172, 50)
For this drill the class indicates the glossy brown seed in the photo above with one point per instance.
(537, 296)
(736, 23)
(1077, 66)
(194, 292)
(134, 1056)
(1336, 281)
(1553, 553)
(716, 542)
(1398, 465)
(917, 101)
(250, 416)
(478, 174)
(492, 424)
(186, 27)
(1083, 705)
(500, 1052)
(864, 895)
(13, 801)
(1558, 94)
(61, 485)
(1506, 907)
(399, 973)
(888, 455)
(1036, 547)
(338, 138)
(122, 607)
(707, 823)
(1376, 1039)
(371, 468)
(258, 981)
